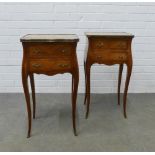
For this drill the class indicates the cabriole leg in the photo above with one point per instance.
(88, 88)
(119, 81)
(129, 70)
(75, 82)
(85, 83)
(33, 94)
(27, 97)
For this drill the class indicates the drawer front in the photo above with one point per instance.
(118, 44)
(50, 50)
(114, 44)
(99, 43)
(45, 65)
(112, 57)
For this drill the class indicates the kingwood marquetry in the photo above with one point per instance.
(49, 55)
(108, 49)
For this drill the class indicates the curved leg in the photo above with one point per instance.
(75, 82)
(85, 83)
(129, 70)
(88, 88)
(72, 88)
(27, 97)
(33, 94)
(119, 81)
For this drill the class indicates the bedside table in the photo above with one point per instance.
(49, 55)
(109, 49)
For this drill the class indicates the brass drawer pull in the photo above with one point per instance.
(121, 57)
(36, 65)
(64, 51)
(63, 65)
(99, 57)
(100, 44)
(121, 45)
(36, 52)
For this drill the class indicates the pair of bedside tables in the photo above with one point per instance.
(56, 54)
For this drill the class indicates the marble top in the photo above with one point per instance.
(108, 34)
(49, 38)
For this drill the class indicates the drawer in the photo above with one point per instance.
(118, 44)
(46, 65)
(50, 50)
(99, 43)
(103, 43)
(109, 57)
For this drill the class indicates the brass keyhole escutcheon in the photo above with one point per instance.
(63, 51)
(63, 65)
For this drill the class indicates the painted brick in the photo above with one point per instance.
(18, 19)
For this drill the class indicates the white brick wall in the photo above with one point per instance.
(18, 19)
